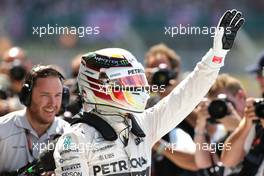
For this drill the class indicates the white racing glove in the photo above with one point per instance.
(225, 34)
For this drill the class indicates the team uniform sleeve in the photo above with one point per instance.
(171, 110)
(70, 156)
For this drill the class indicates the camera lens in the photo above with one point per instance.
(3, 94)
(17, 72)
(259, 108)
(218, 108)
(162, 77)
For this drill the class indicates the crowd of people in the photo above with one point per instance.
(18, 17)
(208, 124)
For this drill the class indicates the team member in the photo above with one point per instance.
(25, 133)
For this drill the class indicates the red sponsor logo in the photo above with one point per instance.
(217, 59)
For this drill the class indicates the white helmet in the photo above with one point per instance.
(113, 77)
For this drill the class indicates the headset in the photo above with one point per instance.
(41, 71)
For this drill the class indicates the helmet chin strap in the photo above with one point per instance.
(120, 122)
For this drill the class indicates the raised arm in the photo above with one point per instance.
(171, 110)
(237, 139)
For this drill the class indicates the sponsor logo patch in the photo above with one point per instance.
(71, 167)
(217, 60)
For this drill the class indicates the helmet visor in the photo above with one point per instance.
(128, 82)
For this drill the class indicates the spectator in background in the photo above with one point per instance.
(210, 135)
(75, 103)
(164, 59)
(15, 54)
(257, 70)
(162, 69)
(75, 65)
(247, 143)
(13, 68)
(24, 133)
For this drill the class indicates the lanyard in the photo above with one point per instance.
(29, 142)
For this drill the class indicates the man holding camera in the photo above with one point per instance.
(162, 69)
(247, 142)
(13, 69)
(217, 116)
(25, 133)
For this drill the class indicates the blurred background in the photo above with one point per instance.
(132, 25)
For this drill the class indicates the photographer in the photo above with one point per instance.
(216, 117)
(25, 133)
(162, 70)
(14, 67)
(257, 69)
(247, 142)
(162, 67)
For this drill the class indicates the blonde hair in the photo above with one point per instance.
(225, 82)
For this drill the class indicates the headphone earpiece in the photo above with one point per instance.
(25, 94)
(65, 97)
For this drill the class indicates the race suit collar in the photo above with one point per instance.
(106, 130)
